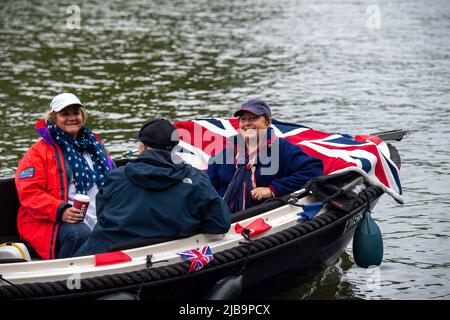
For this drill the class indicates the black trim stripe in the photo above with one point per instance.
(52, 253)
(61, 181)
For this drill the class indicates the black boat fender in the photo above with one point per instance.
(230, 287)
(121, 295)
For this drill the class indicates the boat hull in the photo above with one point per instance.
(270, 271)
(280, 261)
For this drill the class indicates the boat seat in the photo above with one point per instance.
(16, 238)
(141, 243)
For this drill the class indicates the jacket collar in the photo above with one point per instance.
(159, 157)
(41, 128)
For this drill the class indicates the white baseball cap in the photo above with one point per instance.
(64, 100)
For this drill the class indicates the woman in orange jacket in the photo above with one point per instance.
(69, 159)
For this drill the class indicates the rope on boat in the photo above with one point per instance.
(148, 265)
(246, 234)
(133, 280)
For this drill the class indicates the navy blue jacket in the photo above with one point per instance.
(293, 168)
(153, 197)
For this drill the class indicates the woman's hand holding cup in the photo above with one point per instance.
(72, 215)
(78, 211)
(81, 201)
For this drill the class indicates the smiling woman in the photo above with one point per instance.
(256, 165)
(70, 119)
(69, 159)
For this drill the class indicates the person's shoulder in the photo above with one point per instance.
(282, 142)
(40, 144)
(224, 156)
(116, 177)
(38, 153)
(118, 172)
(197, 176)
(286, 144)
(289, 149)
(201, 183)
(95, 134)
(39, 147)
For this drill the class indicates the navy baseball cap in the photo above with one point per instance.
(158, 133)
(256, 107)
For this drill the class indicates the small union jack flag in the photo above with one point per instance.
(198, 257)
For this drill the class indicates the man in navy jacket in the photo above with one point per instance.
(155, 195)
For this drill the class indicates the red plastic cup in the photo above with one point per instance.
(81, 201)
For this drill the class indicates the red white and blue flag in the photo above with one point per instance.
(199, 257)
(369, 156)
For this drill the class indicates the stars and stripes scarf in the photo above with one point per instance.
(84, 177)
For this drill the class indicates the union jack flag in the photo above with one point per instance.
(198, 257)
(200, 139)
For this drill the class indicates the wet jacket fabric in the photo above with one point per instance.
(283, 174)
(42, 182)
(154, 197)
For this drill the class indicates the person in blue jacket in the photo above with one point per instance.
(256, 165)
(155, 195)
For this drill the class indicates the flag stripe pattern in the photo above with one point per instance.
(202, 138)
(199, 257)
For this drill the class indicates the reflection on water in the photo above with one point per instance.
(328, 285)
(327, 64)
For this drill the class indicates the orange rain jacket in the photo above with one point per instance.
(42, 181)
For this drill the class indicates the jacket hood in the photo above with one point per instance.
(155, 170)
(41, 128)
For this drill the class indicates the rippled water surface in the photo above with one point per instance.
(340, 66)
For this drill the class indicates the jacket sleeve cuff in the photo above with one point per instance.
(274, 192)
(59, 212)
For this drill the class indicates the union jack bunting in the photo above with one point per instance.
(198, 257)
(202, 138)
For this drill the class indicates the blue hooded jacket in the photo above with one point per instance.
(281, 166)
(154, 197)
